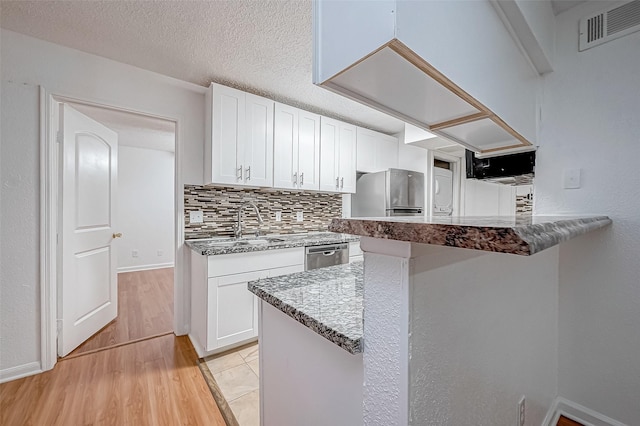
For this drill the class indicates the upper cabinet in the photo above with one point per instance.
(462, 76)
(296, 163)
(239, 129)
(375, 151)
(337, 156)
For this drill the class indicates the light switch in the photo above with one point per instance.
(299, 216)
(571, 179)
(195, 217)
(278, 216)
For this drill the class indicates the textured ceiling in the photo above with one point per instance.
(134, 129)
(263, 47)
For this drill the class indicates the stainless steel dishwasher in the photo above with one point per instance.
(326, 255)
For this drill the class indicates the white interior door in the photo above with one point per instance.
(88, 293)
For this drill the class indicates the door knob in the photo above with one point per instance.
(117, 235)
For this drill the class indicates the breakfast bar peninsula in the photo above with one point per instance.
(460, 322)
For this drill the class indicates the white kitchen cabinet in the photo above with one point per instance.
(296, 163)
(375, 151)
(383, 55)
(489, 199)
(223, 311)
(239, 138)
(337, 156)
(355, 252)
(236, 318)
(412, 158)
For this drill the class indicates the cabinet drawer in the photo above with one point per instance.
(238, 263)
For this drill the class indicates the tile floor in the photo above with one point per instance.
(237, 376)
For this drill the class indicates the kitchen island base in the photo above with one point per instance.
(455, 337)
(304, 378)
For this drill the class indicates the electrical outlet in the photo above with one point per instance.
(134, 253)
(521, 411)
(299, 216)
(571, 179)
(160, 252)
(278, 216)
(196, 217)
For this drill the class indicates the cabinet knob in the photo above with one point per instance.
(117, 235)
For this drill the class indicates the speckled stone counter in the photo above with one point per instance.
(327, 300)
(208, 247)
(515, 235)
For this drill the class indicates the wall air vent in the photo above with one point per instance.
(617, 21)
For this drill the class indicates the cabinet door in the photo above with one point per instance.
(386, 152)
(233, 310)
(365, 151)
(258, 143)
(308, 151)
(285, 147)
(329, 140)
(347, 158)
(228, 122)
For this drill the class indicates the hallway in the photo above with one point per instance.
(145, 309)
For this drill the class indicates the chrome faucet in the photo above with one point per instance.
(238, 225)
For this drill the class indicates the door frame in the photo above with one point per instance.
(457, 180)
(49, 220)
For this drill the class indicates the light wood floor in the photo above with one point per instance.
(563, 421)
(152, 382)
(145, 309)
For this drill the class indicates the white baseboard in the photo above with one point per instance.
(24, 370)
(578, 413)
(145, 267)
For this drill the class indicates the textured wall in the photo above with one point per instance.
(484, 330)
(19, 263)
(590, 121)
(220, 206)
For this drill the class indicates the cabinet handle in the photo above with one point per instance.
(341, 183)
(239, 173)
(337, 183)
(301, 178)
(295, 178)
(117, 235)
(248, 171)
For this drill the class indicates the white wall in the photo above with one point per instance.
(590, 121)
(145, 208)
(19, 260)
(482, 336)
(25, 60)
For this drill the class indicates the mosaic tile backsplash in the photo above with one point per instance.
(524, 204)
(220, 208)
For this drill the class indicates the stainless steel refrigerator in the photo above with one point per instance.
(394, 192)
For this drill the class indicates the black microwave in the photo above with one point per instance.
(503, 166)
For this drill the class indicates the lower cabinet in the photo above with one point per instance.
(355, 252)
(224, 313)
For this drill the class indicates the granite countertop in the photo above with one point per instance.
(327, 300)
(524, 235)
(212, 247)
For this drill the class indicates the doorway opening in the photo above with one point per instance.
(143, 229)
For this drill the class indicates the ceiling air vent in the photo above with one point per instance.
(615, 22)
